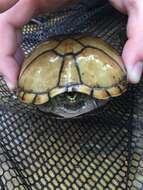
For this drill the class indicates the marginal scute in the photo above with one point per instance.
(100, 94)
(123, 87)
(83, 89)
(41, 99)
(56, 91)
(20, 94)
(76, 88)
(114, 91)
(28, 97)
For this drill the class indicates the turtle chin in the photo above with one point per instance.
(69, 105)
(67, 112)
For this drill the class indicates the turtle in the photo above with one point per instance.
(71, 75)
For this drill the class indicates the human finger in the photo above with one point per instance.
(6, 4)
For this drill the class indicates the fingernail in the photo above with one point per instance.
(135, 72)
(10, 85)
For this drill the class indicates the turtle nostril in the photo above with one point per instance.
(72, 97)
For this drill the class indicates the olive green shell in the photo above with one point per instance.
(82, 64)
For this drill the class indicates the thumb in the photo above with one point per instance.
(133, 58)
(9, 69)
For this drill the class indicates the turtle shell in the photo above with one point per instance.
(83, 64)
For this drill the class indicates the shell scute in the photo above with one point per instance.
(98, 69)
(69, 74)
(40, 49)
(103, 46)
(101, 94)
(41, 99)
(27, 97)
(68, 46)
(43, 74)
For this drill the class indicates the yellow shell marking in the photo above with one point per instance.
(102, 45)
(42, 74)
(92, 62)
(43, 47)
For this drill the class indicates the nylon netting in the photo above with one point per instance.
(102, 150)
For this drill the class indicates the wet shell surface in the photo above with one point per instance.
(83, 64)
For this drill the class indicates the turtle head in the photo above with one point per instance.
(71, 104)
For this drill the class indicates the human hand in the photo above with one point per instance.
(11, 22)
(133, 50)
(6, 4)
